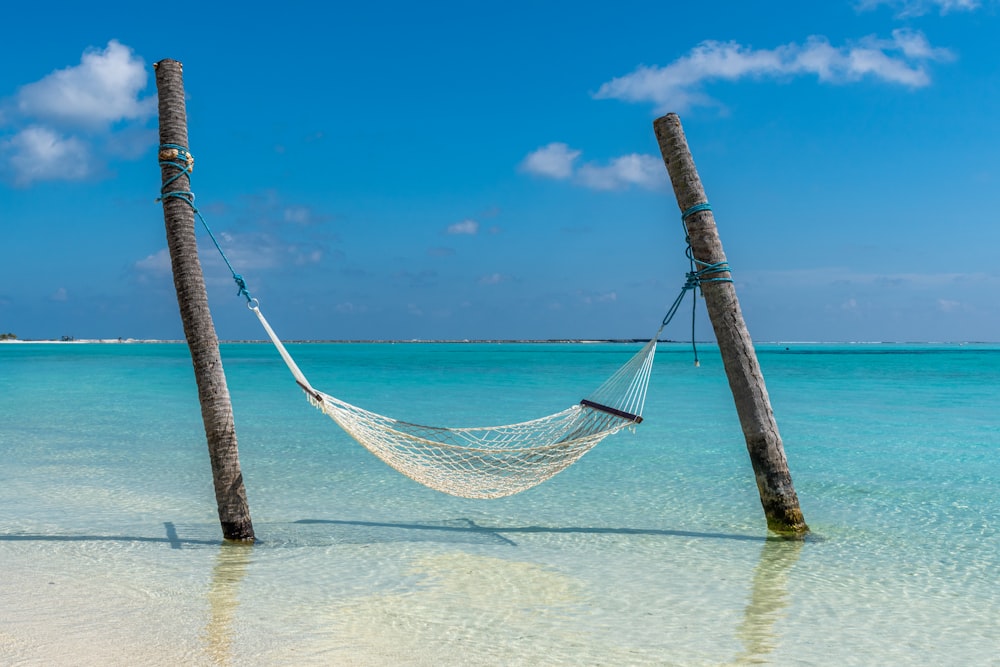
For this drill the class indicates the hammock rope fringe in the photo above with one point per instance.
(478, 462)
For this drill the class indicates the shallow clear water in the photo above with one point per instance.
(649, 551)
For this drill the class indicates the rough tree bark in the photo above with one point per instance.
(213, 392)
(753, 406)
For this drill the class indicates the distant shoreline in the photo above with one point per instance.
(480, 341)
(123, 341)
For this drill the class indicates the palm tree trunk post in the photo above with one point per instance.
(213, 393)
(767, 455)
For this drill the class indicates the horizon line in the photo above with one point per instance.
(459, 341)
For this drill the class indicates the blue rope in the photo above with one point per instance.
(704, 206)
(705, 273)
(180, 159)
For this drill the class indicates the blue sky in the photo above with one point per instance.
(473, 170)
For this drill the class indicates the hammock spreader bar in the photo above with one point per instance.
(612, 411)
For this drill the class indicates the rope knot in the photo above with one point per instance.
(242, 284)
(705, 272)
(179, 159)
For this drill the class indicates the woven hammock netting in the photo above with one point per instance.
(492, 461)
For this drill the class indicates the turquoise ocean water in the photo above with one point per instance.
(651, 550)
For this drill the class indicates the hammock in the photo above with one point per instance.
(485, 462)
(491, 461)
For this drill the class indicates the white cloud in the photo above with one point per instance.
(948, 305)
(557, 161)
(300, 215)
(644, 171)
(156, 264)
(493, 279)
(60, 295)
(39, 154)
(901, 60)
(554, 160)
(936, 287)
(349, 307)
(464, 227)
(248, 253)
(305, 256)
(297, 214)
(67, 124)
(598, 297)
(103, 89)
(256, 251)
(905, 8)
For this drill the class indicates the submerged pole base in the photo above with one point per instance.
(238, 531)
(788, 524)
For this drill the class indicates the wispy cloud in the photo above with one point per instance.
(268, 209)
(155, 265)
(40, 154)
(349, 307)
(644, 171)
(948, 305)
(248, 252)
(440, 251)
(597, 297)
(467, 226)
(906, 8)
(303, 215)
(493, 279)
(554, 160)
(261, 234)
(422, 278)
(259, 251)
(902, 60)
(60, 123)
(559, 162)
(820, 276)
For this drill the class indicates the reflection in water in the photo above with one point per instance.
(768, 599)
(223, 599)
(467, 609)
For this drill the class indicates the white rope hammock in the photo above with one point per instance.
(492, 461)
(487, 462)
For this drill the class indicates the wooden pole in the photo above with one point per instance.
(213, 392)
(767, 455)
